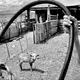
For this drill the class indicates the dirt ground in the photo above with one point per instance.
(48, 67)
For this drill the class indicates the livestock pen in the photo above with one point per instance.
(48, 66)
(52, 55)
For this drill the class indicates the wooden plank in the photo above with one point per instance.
(14, 48)
(30, 38)
(7, 34)
(53, 30)
(37, 32)
(23, 43)
(3, 53)
(13, 31)
(54, 23)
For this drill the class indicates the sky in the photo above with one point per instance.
(14, 2)
(20, 2)
(70, 2)
(6, 4)
(11, 2)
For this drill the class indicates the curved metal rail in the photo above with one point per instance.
(71, 37)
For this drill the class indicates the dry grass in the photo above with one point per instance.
(48, 67)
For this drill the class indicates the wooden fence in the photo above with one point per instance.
(15, 30)
(43, 31)
(11, 49)
(12, 31)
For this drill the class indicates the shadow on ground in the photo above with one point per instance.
(34, 69)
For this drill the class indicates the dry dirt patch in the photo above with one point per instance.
(48, 67)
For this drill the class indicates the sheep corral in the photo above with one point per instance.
(52, 54)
